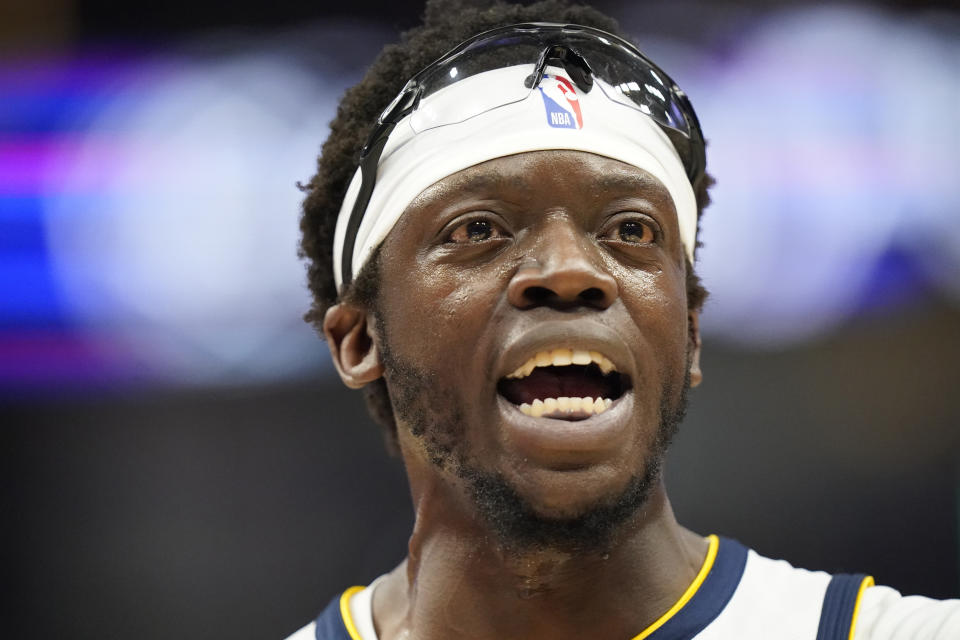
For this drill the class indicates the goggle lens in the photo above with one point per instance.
(625, 76)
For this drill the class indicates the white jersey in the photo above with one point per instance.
(737, 595)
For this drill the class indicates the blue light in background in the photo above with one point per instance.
(29, 290)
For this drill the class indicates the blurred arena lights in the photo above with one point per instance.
(833, 137)
(148, 208)
(189, 248)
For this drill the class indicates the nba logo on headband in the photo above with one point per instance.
(561, 102)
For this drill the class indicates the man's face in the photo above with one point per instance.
(516, 262)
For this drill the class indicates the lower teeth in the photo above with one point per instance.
(565, 406)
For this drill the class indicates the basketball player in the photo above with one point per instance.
(501, 238)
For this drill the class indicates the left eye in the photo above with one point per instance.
(476, 231)
(634, 232)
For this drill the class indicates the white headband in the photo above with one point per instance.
(554, 117)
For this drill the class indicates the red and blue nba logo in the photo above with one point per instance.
(561, 102)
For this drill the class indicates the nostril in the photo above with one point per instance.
(538, 295)
(593, 295)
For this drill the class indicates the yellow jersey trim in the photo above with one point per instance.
(689, 593)
(345, 612)
(866, 584)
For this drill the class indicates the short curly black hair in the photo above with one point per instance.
(446, 23)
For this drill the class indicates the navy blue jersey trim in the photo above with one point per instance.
(330, 624)
(839, 603)
(712, 596)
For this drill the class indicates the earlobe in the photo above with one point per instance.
(693, 323)
(352, 346)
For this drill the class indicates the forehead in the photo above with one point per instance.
(558, 172)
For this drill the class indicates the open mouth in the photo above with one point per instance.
(567, 384)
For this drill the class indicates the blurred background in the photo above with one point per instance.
(179, 459)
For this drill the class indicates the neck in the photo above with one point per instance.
(458, 582)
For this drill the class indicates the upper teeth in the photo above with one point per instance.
(563, 358)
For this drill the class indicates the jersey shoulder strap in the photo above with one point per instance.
(777, 600)
(841, 604)
(331, 623)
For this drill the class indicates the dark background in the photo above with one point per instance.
(238, 511)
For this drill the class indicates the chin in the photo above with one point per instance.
(575, 511)
(571, 493)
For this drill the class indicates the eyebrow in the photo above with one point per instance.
(636, 182)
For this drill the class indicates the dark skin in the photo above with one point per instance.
(541, 250)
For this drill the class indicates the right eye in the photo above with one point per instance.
(636, 232)
(476, 231)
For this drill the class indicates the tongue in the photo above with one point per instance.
(556, 382)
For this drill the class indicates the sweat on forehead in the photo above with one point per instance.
(493, 179)
(414, 160)
(497, 177)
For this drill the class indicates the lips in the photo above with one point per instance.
(575, 441)
(567, 383)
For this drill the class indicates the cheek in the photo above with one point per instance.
(657, 303)
(438, 310)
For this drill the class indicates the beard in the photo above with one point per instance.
(427, 405)
(520, 528)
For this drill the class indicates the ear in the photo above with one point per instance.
(352, 346)
(693, 324)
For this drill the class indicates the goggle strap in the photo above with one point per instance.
(369, 160)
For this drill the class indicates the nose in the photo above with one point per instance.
(563, 270)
